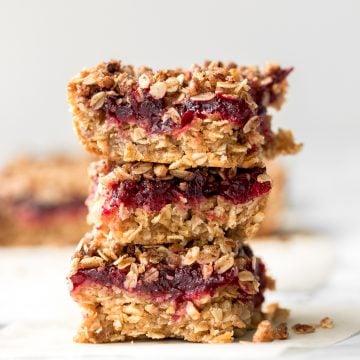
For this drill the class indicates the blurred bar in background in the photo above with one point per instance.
(42, 200)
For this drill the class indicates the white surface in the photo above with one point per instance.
(299, 263)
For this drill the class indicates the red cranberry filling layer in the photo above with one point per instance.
(173, 283)
(148, 112)
(153, 195)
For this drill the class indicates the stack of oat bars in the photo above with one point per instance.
(180, 187)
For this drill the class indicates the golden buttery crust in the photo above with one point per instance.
(112, 315)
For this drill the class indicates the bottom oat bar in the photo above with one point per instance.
(209, 293)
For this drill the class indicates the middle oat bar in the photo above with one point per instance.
(148, 203)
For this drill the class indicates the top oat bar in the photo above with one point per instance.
(212, 115)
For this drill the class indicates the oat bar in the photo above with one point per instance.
(208, 294)
(146, 203)
(42, 201)
(213, 115)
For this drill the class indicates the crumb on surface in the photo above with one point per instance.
(303, 328)
(265, 332)
(325, 323)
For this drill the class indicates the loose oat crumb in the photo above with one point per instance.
(281, 331)
(326, 323)
(303, 328)
(265, 332)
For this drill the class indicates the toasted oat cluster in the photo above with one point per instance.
(180, 187)
(207, 293)
(146, 203)
(42, 201)
(212, 115)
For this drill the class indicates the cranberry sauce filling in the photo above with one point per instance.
(174, 283)
(153, 195)
(29, 210)
(149, 113)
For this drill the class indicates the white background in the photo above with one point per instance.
(44, 43)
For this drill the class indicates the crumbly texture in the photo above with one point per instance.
(303, 328)
(266, 332)
(325, 323)
(210, 218)
(209, 141)
(113, 313)
(42, 201)
(95, 250)
(176, 223)
(276, 200)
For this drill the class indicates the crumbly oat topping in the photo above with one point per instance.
(221, 254)
(267, 86)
